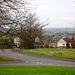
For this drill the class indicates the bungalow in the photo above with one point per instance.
(63, 41)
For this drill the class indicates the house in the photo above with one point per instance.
(63, 41)
(17, 41)
(52, 44)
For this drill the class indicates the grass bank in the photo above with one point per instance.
(4, 59)
(58, 52)
(36, 70)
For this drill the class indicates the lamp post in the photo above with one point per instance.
(37, 43)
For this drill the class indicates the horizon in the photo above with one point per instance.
(59, 27)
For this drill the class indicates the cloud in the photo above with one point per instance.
(60, 11)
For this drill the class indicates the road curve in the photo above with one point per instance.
(24, 58)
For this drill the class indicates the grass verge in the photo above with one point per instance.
(4, 59)
(66, 53)
(36, 70)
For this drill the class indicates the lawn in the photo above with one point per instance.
(58, 52)
(36, 70)
(4, 59)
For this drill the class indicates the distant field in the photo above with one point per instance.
(4, 59)
(36, 70)
(58, 52)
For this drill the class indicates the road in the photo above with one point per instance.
(23, 58)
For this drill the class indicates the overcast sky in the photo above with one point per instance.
(61, 13)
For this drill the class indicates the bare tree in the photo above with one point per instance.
(10, 14)
(30, 29)
(9, 10)
(14, 16)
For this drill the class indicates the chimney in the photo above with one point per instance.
(66, 37)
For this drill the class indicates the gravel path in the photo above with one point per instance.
(24, 58)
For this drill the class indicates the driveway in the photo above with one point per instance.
(24, 58)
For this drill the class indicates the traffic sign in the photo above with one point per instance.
(37, 39)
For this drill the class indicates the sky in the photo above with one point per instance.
(61, 13)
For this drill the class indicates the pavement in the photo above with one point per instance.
(24, 58)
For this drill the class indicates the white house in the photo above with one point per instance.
(62, 42)
(17, 41)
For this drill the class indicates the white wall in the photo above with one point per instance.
(17, 41)
(61, 43)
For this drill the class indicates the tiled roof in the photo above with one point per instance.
(52, 44)
(69, 40)
(66, 40)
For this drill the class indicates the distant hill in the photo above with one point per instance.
(60, 29)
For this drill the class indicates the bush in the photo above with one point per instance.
(73, 45)
(67, 45)
(6, 43)
(51, 47)
(47, 46)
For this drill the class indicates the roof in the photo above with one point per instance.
(66, 40)
(52, 44)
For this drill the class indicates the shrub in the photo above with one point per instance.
(73, 45)
(51, 47)
(47, 46)
(67, 45)
(6, 43)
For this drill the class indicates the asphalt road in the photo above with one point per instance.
(24, 58)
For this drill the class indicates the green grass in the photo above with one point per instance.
(36, 70)
(4, 59)
(66, 53)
